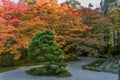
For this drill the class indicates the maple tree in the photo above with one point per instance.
(63, 21)
(9, 40)
(12, 41)
(60, 19)
(11, 12)
(107, 6)
(99, 34)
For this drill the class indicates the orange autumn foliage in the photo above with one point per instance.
(64, 22)
(50, 15)
(61, 20)
(9, 40)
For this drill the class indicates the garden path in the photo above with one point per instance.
(75, 68)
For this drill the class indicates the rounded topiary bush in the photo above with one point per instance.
(43, 47)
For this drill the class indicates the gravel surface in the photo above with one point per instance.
(75, 68)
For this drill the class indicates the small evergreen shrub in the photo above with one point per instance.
(43, 47)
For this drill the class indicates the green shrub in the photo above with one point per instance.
(65, 73)
(7, 60)
(98, 63)
(117, 56)
(93, 65)
(4, 69)
(43, 71)
(72, 58)
(38, 71)
(104, 56)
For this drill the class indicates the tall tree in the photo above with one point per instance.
(114, 17)
(43, 44)
(73, 4)
(101, 27)
(107, 5)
